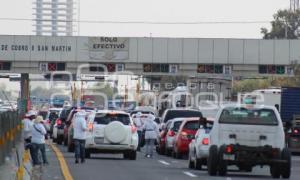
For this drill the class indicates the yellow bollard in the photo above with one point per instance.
(26, 157)
(20, 173)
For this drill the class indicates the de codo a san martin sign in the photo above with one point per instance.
(108, 48)
(45, 48)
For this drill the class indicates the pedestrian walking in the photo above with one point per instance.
(27, 130)
(151, 133)
(38, 141)
(80, 128)
(139, 124)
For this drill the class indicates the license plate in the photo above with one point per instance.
(229, 157)
(99, 140)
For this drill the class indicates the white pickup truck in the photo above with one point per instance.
(247, 136)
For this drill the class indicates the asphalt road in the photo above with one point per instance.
(114, 167)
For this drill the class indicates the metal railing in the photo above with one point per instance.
(10, 133)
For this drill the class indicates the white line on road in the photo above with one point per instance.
(189, 174)
(164, 162)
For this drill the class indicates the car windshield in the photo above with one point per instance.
(181, 113)
(248, 116)
(143, 112)
(102, 118)
(176, 125)
(192, 125)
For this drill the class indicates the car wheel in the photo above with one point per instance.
(286, 167)
(65, 141)
(168, 152)
(132, 155)
(191, 163)
(212, 162)
(198, 164)
(59, 140)
(222, 162)
(87, 153)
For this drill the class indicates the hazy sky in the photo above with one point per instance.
(156, 11)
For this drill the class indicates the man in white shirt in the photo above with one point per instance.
(27, 130)
(139, 124)
(80, 128)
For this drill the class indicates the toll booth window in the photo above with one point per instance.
(5, 66)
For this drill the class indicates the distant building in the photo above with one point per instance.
(294, 5)
(54, 17)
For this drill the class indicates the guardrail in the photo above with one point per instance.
(10, 133)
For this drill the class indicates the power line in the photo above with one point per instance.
(140, 22)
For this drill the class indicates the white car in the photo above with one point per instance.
(111, 132)
(247, 136)
(199, 147)
(173, 127)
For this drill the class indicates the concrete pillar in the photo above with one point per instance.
(25, 91)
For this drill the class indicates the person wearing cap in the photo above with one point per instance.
(151, 133)
(38, 141)
(80, 128)
(139, 124)
(27, 128)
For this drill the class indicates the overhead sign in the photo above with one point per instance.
(108, 48)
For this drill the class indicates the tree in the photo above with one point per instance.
(284, 26)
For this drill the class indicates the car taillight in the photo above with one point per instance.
(295, 131)
(205, 141)
(58, 122)
(133, 129)
(229, 149)
(171, 133)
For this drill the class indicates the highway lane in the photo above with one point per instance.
(112, 167)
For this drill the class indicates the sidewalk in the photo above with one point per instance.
(18, 166)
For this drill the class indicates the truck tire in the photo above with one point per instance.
(198, 164)
(212, 161)
(286, 167)
(222, 162)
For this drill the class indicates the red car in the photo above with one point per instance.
(184, 136)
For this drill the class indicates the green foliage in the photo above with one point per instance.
(285, 23)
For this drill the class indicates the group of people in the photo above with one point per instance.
(148, 130)
(34, 133)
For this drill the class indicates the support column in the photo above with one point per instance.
(25, 94)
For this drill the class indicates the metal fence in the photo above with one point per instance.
(10, 133)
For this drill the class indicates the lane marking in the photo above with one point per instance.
(189, 174)
(63, 165)
(164, 162)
